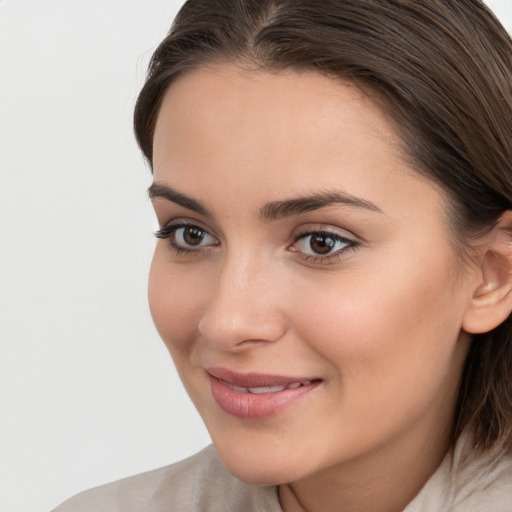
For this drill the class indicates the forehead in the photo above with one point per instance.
(288, 102)
(276, 134)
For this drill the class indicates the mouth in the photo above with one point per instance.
(267, 389)
(257, 396)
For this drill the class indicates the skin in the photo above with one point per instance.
(379, 321)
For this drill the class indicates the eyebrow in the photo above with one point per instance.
(273, 210)
(166, 192)
(290, 207)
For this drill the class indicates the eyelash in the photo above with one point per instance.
(350, 245)
(169, 231)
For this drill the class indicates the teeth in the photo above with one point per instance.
(267, 389)
(271, 389)
(296, 385)
(238, 388)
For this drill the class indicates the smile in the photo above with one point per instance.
(256, 396)
(267, 389)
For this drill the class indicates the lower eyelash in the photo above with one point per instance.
(167, 233)
(328, 258)
(324, 260)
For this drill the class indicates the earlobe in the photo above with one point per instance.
(491, 303)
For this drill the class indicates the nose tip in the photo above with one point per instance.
(242, 312)
(231, 332)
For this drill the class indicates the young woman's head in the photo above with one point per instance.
(332, 181)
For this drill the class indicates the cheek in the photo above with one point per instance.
(383, 332)
(175, 301)
(392, 354)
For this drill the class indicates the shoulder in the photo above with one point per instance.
(485, 484)
(134, 492)
(467, 483)
(198, 483)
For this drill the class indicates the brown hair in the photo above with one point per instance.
(440, 69)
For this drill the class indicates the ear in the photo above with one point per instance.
(491, 303)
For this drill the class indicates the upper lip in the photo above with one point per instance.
(253, 380)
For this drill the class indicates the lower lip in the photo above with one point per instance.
(256, 406)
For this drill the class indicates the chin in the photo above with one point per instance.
(260, 464)
(258, 474)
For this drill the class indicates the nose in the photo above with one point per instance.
(245, 306)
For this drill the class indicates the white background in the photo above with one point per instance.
(88, 393)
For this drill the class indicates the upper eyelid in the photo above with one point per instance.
(330, 230)
(184, 221)
(325, 228)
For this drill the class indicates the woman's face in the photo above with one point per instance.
(305, 283)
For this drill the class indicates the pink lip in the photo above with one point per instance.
(247, 405)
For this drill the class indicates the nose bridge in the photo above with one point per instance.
(241, 306)
(238, 272)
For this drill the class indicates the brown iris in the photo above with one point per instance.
(193, 235)
(322, 243)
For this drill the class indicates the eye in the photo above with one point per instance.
(322, 245)
(186, 237)
(192, 236)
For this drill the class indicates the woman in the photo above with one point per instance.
(333, 275)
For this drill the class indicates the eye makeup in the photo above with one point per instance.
(186, 237)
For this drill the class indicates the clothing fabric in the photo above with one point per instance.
(201, 484)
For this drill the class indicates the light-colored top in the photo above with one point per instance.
(201, 484)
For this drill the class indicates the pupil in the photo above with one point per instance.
(193, 236)
(322, 244)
